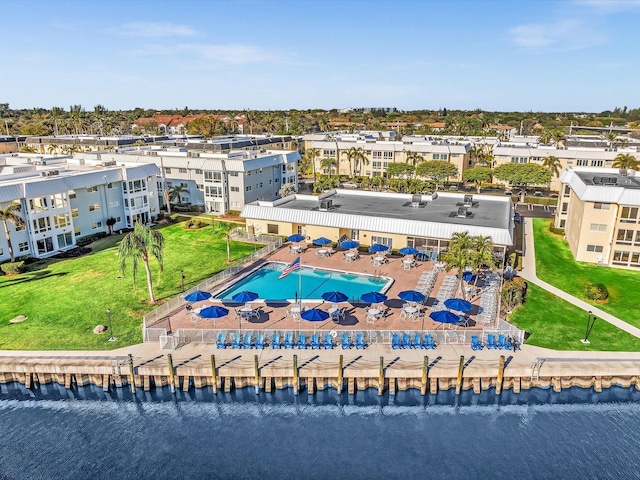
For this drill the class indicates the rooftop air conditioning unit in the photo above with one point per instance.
(462, 212)
(468, 200)
(326, 205)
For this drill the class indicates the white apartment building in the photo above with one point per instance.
(64, 198)
(217, 182)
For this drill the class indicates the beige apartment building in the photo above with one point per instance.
(598, 208)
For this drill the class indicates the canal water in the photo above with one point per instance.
(53, 433)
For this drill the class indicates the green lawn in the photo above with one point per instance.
(65, 299)
(557, 324)
(555, 265)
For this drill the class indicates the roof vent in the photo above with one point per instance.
(462, 212)
(468, 201)
(605, 180)
(326, 205)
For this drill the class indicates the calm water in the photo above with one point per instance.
(315, 282)
(576, 434)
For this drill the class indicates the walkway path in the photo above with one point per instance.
(529, 273)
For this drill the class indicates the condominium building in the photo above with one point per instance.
(598, 209)
(9, 144)
(63, 198)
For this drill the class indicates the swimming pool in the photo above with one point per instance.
(315, 281)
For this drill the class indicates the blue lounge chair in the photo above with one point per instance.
(222, 340)
(475, 343)
(395, 341)
(302, 342)
(491, 342)
(315, 341)
(288, 340)
(360, 344)
(275, 342)
(417, 341)
(328, 341)
(428, 343)
(236, 343)
(260, 341)
(247, 342)
(406, 340)
(503, 344)
(346, 341)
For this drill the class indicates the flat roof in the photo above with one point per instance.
(611, 178)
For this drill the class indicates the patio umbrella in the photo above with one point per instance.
(378, 247)
(334, 297)
(458, 304)
(412, 296)
(444, 316)
(350, 244)
(468, 277)
(314, 315)
(214, 312)
(197, 296)
(373, 297)
(295, 238)
(244, 297)
(322, 241)
(408, 251)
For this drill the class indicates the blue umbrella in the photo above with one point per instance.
(378, 247)
(350, 244)
(295, 238)
(322, 241)
(213, 311)
(334, 297)
(468, 277)
(197, 296)
(244, 296)
(412, 296)
(458, 304)
(444, 316)
(408, 251)
(373, 297)
(314, 315)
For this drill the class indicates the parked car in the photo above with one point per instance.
(553, 195)
(538, 194)
(508, 192)
(453, 187)
(517, 218)
(349, 185)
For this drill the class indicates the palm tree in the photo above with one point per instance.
(552, 164)
(482, 255)
(312, 154)
(10, 214)
(177, 191)
(545, 137)
(558, 137)
(138, 245)
(459, 255)
(413, 158)
(328, 163)
(354, 154)
(626, 160)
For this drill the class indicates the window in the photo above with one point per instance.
(118, 219)
(213, 191)
(625, 236)
(328, 153)
(235, 189)
(299, 230)
(597, 163)
(92, 189)
(376, 164)
(96, 225)
(232, 174)
(41, 224)
(272, 228)
(65, 240)
(45, 245)
(198, 171)
(598, 227)
(94, 207)
(582, 163)
(440, 156)
(182, 170)
(601, 206)
(387, 155)
(110, 185)
(638, 237)
(620, 256)
(629, 215)
(167, 170)
(518, 159)
(72, 194)
(565, 207)
(355, 234)
(23, 247)
(383, 240)
(567, 191)
(199, 187)
(635, 259)
(61, 220)
(247, 188)
(594, 248)
(77, 231)
(277, 180)
(563, 223)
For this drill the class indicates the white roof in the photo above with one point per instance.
(626, 192)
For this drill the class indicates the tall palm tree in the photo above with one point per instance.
(459, 255)
(177, 191)
(140, 245)
(328, 163)
(482, 255)
(413, 158)
(311, 155)
(11, 214)
(354, 155)
(545, 137)
(558, 137)
(626, 160)
(552, 164)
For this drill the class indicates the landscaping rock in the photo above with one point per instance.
(100, 329)
(18, 319)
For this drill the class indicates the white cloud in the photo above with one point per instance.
(153, 29)
(231, 54)
(562, 35)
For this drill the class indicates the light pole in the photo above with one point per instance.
(111, 337)
(591, 320)
(182, 276)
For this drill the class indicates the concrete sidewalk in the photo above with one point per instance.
(529, 274)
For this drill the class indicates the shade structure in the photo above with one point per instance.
(334, 297)
(350, 244)
(322, 241)
(408, 251)
(444, 316)
(378, 247)
(373, 297)
(213, 311)
(197, 296)
(314, 315)
(296, 238)
(412, 296)
(458, 304)
(244, 296)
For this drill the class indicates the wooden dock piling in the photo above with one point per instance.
(459, 378)
(500, 378)
(425, 375)
(256, 374)
(214, 374)
(340, 373)
(132, 378)
(381, 377)
(296, 380)
(172, 380)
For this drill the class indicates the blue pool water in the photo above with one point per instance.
(87, 434)
(315, 282)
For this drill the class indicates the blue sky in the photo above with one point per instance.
(574, 55)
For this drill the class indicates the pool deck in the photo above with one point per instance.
(273, 315)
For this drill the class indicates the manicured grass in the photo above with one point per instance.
(65, 299)
(555, 265)
(557, 324)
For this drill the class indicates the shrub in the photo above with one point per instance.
(12, 268)
(174, 217)
(557, 231)
(513, 293)
(233, 213)
(595, 291)
(73, 253)
(84, 241)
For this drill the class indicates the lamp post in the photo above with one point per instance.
(111, 337)
(591, 320)
(182, 277)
